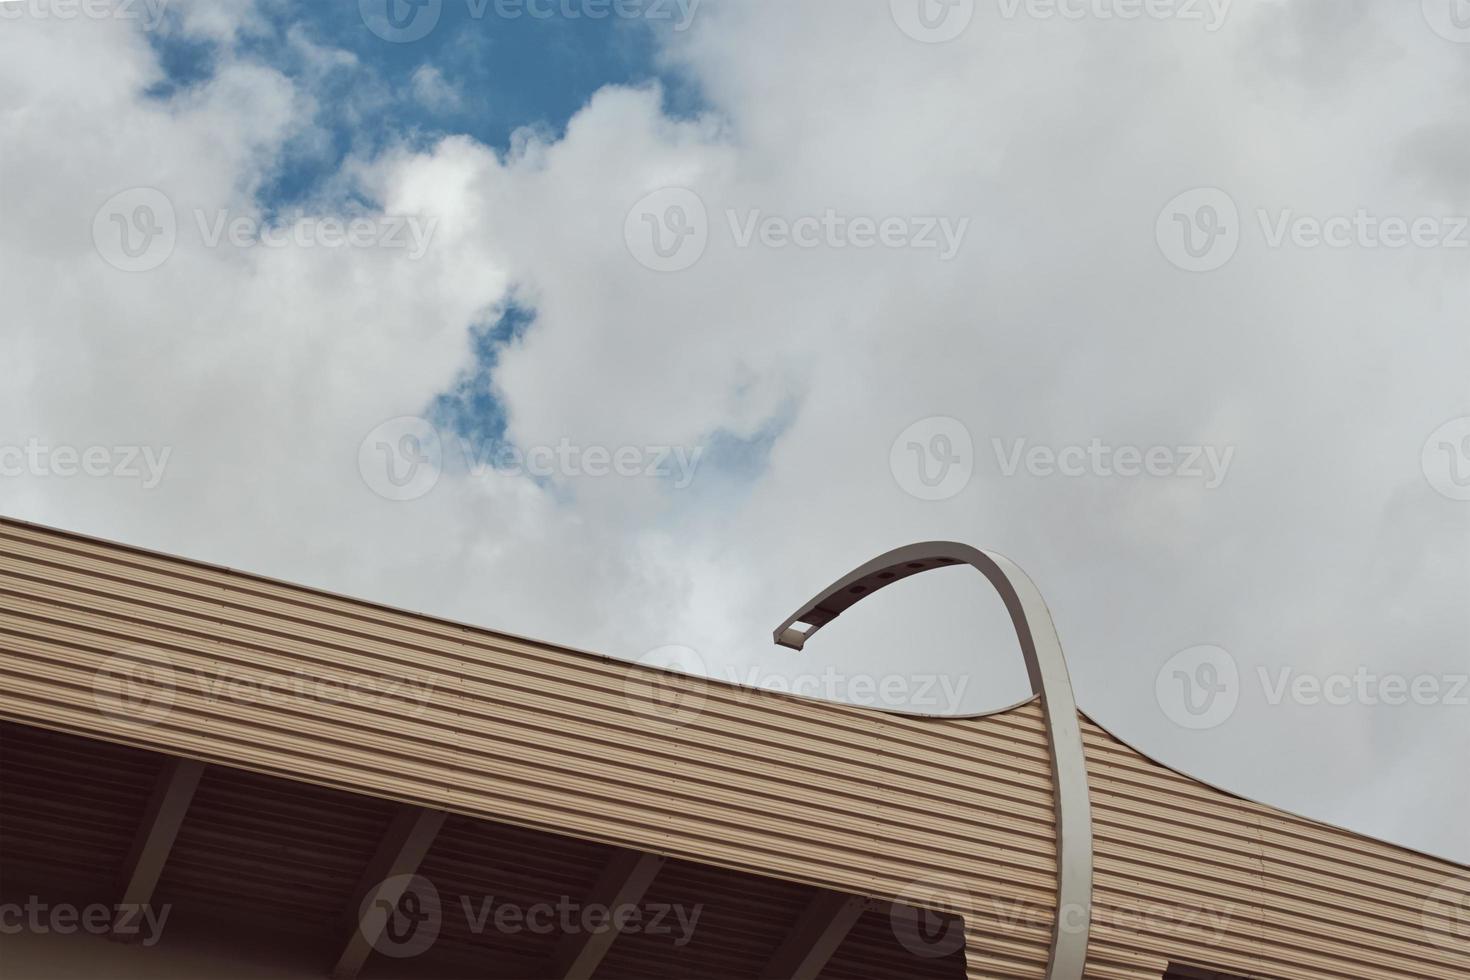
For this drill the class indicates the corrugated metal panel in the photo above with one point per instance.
(874, 949)
(477, 866)
(68, 812)
(810, 793)
(525, 733)
(285, 856)
(271, 862)
(1212, 880)
(741, 923)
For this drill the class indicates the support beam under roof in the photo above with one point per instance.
(399, 855)
(624, 882)
(816, 936)
(159, 828)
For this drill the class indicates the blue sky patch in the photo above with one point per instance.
(410, 72)
(470, 409)
(482, 68)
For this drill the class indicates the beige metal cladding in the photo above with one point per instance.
(213, 665)
(200, 662)
(1187, 873)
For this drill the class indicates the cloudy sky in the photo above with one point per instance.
(632, 325)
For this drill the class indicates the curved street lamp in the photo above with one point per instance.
(1047, 668)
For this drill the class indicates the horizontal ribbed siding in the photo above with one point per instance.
(478, 862)
(809, 793)
(528, 734)
(1243, 888)
(280, 855)
(742, 923)
(68, 813)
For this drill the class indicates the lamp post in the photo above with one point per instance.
(1047, 668)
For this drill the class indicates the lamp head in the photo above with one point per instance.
(853, 588)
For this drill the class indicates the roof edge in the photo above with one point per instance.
(1089, 716)
(414, 614)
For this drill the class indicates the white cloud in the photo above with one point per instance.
(434, 91)
(1059, 321)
